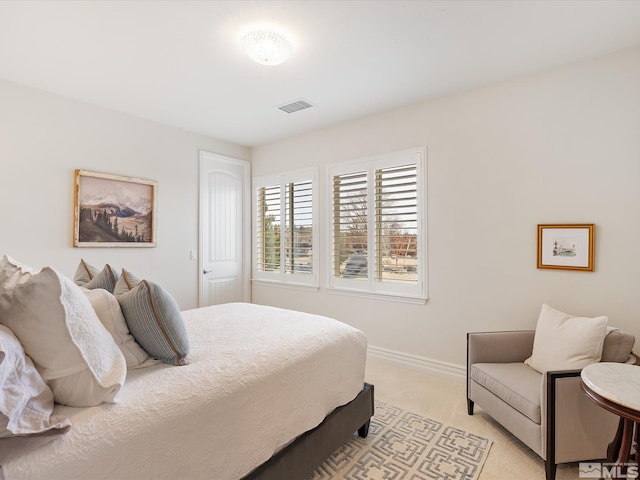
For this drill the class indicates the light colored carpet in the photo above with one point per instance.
(402, 445)
(444, 399)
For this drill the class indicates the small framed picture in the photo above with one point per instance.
(114, 211)
(568, 247)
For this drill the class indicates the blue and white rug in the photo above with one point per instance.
(402, 445)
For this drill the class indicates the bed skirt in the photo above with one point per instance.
(299, 459)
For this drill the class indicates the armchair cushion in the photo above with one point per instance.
(514, 383)
(566, 342)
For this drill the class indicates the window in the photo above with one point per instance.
(284, 228)
(378, 225)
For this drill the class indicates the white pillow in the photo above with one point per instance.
(62, 334)
(566, 342)
(108, 310)
(26, 402)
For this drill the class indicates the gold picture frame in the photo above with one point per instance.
(114, 211)
(566, 246)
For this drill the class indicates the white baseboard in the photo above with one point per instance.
(451, 371)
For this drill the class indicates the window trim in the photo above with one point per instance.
(281, 276)
(370, 287)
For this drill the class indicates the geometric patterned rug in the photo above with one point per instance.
(405, 446)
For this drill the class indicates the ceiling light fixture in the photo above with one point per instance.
(266, 47)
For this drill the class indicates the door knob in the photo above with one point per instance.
(205, 271)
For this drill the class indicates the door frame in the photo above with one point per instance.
(204, 155)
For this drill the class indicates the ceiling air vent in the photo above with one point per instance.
(295, 106)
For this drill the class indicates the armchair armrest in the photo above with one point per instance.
(499, 347)
(576, 428)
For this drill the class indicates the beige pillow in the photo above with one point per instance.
(566, 342)
(58, 328)
(108, 310)
(26, 402)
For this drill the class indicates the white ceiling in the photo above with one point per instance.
(179, 63)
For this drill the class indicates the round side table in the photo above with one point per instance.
(616, 388)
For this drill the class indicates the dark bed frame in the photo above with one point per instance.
(299, 459)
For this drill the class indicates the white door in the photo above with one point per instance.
(224, 230)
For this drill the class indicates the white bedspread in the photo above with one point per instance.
(258, 377)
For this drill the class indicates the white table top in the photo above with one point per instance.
(618, 382)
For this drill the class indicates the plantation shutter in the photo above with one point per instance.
(268, 229)
(396, 197)
(285, 231)
(350, 225)
(298, 247)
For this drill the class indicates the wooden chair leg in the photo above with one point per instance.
(637, 430)
(550, 470)
(614, 447)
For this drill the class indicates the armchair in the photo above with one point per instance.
(548, 412)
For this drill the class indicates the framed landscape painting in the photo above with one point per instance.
(568, 247)
(114, 211)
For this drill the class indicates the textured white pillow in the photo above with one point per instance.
(566, 342)
(108, 310)
(62, 334)
(26, 402)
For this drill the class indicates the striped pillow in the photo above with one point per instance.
(154, 319)
(127, 281)
(90, 277)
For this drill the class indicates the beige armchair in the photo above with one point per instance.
(549, 412)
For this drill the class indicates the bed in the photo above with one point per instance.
(267, 394)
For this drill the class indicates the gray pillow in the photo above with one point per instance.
(617, 346)
(154, 319)
(90, 277)
(127, 281)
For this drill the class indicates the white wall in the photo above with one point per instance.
(560, 147)
(45, 137)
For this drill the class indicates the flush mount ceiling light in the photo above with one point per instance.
(266, 46)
